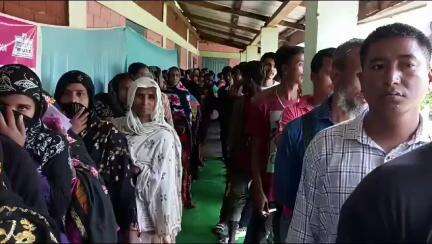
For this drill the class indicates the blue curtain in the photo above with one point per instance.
(215, 64)
(99, 53)
(140, 50)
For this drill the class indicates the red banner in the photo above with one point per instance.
(18, 42)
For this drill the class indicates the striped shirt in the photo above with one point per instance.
(335, 162)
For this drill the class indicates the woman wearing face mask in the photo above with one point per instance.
(21, 91)
(90, 217)
(156, 151)
(104, 143)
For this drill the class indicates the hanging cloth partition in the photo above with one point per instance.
(140, 50)
(100, 53)
(215, 64)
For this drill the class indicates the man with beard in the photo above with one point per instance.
(342, 105)
(394, 80)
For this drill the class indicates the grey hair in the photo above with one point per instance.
(343, 50)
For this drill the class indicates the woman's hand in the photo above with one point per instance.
(167, 239)
(79, 121)
(15, 130)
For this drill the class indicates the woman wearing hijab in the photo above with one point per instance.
(184, 116)
(104, 143)
(113, 104)
(90, 217)
(18, 222)
(21, 91)
(156, 151)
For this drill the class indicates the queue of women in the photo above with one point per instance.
(69, 176)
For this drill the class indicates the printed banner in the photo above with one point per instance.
(18, 42)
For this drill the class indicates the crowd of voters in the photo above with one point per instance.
(348, 163)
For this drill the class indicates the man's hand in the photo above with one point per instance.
(79, 121)
(12, 129)
(260, 200)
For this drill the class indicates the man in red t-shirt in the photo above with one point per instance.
(321, 68)
(263, 126)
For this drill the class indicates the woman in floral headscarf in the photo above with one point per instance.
(21, 91)
(156, 151)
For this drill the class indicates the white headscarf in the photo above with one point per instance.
(131, 124)
(168, 162)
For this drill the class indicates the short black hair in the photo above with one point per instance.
(135, 67)
(226, 70)
(271, 55)
(172, 69)
(318, 59)
(396, 30)
(284, 54)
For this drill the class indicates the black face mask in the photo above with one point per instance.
(71, 109)
(27, 120)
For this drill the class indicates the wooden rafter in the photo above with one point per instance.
(226, 9)
(221, 40)
(222, 23)
(235, 18)
(227, 33)
(295, 26)
(284, 10)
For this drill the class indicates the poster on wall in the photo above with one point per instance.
(18, 42)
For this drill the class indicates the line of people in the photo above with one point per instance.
(111, 167)
(293, 160)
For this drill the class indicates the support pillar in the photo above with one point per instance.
(269, 39)
(164, 20)
(252, 53)
(77, 14)
(243, 56)
(328, 24)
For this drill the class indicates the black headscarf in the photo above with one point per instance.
(108, 104)
(19, 79)
(47, 148)
(106, 146)
(72, 77)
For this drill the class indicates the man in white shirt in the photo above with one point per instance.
(395, 77)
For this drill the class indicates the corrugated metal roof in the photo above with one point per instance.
(237, 22)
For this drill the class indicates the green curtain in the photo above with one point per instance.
(215, 64)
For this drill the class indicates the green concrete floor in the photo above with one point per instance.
(207, 194)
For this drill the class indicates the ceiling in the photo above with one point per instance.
(238, 23)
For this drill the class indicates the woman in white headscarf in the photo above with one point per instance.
(156, 150)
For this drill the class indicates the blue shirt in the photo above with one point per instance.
(289, 157)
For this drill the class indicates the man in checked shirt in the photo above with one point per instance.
(395, 77)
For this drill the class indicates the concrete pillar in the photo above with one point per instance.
(252, 53)
(78, 14)
(269, 39)
(243, 56)
(328, 24)
(164, 20)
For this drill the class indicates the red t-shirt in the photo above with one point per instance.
(263, 122)
(293, 111)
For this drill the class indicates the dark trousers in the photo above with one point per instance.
(263, 229)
